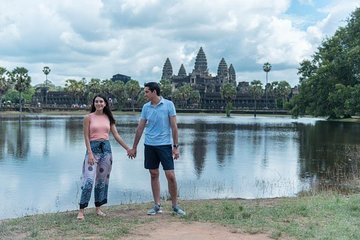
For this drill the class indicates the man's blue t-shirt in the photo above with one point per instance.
(158, 128)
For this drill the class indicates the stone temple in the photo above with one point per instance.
(209, 86)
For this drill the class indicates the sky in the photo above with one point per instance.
(100, 38)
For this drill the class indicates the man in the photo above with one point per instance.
(158, 118)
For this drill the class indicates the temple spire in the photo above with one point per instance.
(182, 71)
(223, 72)
(167, 70)
(201, 63)
(232, 75)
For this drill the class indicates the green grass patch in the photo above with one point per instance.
(321, 216)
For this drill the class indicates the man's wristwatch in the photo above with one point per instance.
(175, 145)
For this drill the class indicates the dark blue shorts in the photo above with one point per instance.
(154, 155)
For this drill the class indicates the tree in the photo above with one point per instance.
(141, 99)
(194, 98)
(256, 91)
(306, 70)
(273, 91)
(21, 80)
(185, 95)
(107, 86)
(119, 93)
(339, 101)
(337, 61)
(76, 88)
(46, 71)
(93, 87)
(283, 91)
(353, 102)
(228, 92)
(132, 89)
(267, 69)
(4, 83)
(166, 88)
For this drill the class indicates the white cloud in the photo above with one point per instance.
(97, 39)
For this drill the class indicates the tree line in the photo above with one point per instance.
(15, 86)
(330, 80)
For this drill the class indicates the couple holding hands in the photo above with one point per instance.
(158, 119)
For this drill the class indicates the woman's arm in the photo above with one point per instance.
(86, 129)
(118, 138)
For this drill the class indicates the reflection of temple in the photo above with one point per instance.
(209, 86)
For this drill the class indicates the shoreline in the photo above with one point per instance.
(305, 216)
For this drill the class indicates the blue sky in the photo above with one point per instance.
(100, 38)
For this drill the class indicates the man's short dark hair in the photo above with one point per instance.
(153, 86)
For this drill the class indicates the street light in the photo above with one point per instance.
(266, 68)
(46, 71)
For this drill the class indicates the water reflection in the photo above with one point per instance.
(199, 147)
(329, 152)
(18, 140)
(40, 160)
(225, 134)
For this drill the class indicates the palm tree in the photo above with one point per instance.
(92, 88)
(228, 92)
(266, 68)
(284, 90)
(76, 88)
(21, 80)
(185, 93)
(274, 92)
(119, 93)
(256, 91)
(166, 89)
(132, 88)
(46, 71)
(4, 83)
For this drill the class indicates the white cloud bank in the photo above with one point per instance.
(97, 39)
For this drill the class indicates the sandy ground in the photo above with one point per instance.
(194, 231)
(165, 226)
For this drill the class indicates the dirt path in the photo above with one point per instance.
(193, 231)
(165, 226)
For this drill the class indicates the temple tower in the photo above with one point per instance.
(232, 75)
(223, 72)
(201, 64)
(167, 70)
(182, 71)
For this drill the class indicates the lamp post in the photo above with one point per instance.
(266, 68)
(46, 71)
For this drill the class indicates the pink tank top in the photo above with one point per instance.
(99, 127)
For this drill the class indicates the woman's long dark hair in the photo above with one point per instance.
(106, 109)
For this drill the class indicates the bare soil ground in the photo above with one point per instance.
(161, 230)
(165, 226)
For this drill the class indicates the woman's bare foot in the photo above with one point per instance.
(100, 213)
(80, 215)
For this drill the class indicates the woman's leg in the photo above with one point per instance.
(88, 177)
(102, 177)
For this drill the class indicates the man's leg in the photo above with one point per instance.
(172, 186)
(155, 185)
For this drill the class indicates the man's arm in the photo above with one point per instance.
(139, 132)
(174, 130)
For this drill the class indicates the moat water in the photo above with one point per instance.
(237, 157)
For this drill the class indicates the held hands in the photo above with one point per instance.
(131, 153)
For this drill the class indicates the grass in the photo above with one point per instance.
(321, 216)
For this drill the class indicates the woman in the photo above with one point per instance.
(98, 157)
